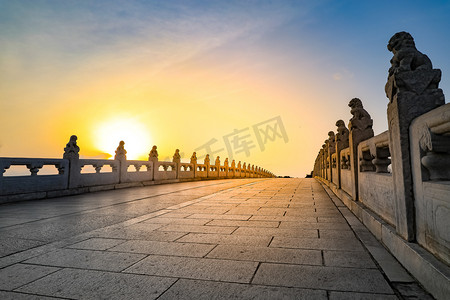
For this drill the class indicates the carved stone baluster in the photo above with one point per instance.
(437, 154)
(98, 168)
(344, 161)
(382, 160)
(365, 163)
(61, 168)
(4, 168)
(34, 168)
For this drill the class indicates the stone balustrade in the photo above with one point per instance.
(33, 183)
(430, 159)
(398, 182)
(72, 177)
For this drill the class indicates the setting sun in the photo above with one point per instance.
(138, 141)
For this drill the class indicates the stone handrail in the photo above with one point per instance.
(430, 157)
(33, 183)
(72, 178)
(398, 182)
(374, 154)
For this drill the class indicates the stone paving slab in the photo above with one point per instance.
(348, 244)
(164, 248)
(20, 296)
(360, 296)
(355, 259)
(198, 228)
(284, 219)
(206, 290)
(178, 221)
(335, 234)
(309, 225)
(311, 233)
(87, 259)
(11, 245)
(267, 254)
(88, 284)
(195, 268)
(17, 275)
(318, 277)
(238, 223)
(225, 239)
(97, 244)
(221, 217)
(139, 234)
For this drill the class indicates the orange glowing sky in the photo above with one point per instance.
(180, 74)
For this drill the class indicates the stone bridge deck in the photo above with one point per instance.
(225, 239)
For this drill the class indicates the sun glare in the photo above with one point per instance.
(138, 141)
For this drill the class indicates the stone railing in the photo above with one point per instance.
(430, 158)
(73, 177)
(398, 182)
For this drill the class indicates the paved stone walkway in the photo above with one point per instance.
(226, 239)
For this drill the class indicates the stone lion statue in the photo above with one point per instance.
(361, 118)
(406, 56)
(331, 141)
(176, 156)
(120, 151)
(194, 158)
(153, 155)
(71, 150)
(342, 132)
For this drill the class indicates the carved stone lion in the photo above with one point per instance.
(194, 158)
(153, 155)
(120, 151)
(176, 156)
(342, 132)
(406, 56)
(331, 142)
(71, 150)
(361, 119)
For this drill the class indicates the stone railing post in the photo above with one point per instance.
(177, 159)
(331, 149)
(233, 168)
(360, 128)
(341, 142)
(207, 162)
(217, 165)
(225, 166)
(153, 157)
(121, 156)
(194, 162)
(71, 153)
(412, 89)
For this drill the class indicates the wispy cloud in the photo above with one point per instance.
(57, 36)
(342, 74)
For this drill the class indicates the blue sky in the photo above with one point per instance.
(194, 70)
